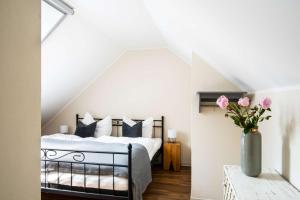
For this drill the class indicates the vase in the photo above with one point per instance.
(251, 153)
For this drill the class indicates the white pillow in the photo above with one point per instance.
(129, 121)
(104, 126)
(147, 126)
(87, 119)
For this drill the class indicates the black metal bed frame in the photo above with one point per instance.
(52, 155)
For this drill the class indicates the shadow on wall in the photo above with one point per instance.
(289, 129)
(281, 141)
(289, 122)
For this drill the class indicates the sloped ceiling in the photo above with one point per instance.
(126, 22)
(255, 44)
(72, 56)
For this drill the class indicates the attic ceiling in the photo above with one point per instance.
(255, 44)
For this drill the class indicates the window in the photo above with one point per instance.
(53, 13)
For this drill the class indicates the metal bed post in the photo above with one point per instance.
(162, 138)
(77, 119)
(129, 173)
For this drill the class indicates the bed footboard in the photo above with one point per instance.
(89, 181)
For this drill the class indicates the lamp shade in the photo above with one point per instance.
(63, 129)
(172, 133)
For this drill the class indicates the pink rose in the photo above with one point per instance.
(244, 102)
(265, 103)
(222, 102)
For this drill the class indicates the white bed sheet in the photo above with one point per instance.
(151, 144)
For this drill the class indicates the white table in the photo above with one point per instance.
(268, 186)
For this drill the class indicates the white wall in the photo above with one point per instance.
(140, 84)
(20, 100)
(281, 135)
(215, 141)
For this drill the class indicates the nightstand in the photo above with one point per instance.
(172, 155)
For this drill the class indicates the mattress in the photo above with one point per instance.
(107, 182)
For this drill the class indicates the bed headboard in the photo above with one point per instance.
(158, 126)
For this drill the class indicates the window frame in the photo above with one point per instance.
(61, 7)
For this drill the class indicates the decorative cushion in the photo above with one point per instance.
(83, 130)
(132, 131)
(147, 127)
(104, 126)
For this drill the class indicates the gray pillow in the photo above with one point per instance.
(83, 130)
(132, 131)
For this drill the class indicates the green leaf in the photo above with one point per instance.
(262, 112)
(261, 119)
(246, 130)
(237, 123)
(269, 109)
(236, 120)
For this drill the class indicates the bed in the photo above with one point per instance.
(108, 167)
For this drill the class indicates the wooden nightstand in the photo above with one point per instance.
(172, 156)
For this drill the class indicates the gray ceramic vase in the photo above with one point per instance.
(251, 153)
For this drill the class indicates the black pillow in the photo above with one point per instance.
(132, 131)
(83, 130)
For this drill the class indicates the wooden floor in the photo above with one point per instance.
(169, 185)
(165, 185)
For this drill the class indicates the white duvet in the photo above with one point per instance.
(151, 144)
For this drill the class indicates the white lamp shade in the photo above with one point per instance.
(64, 129)
(172, 133)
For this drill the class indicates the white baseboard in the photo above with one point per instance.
(199, 198)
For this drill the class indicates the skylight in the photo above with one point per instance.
(53, 13)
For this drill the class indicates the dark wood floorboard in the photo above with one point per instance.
(166, 185)
(169, 185)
